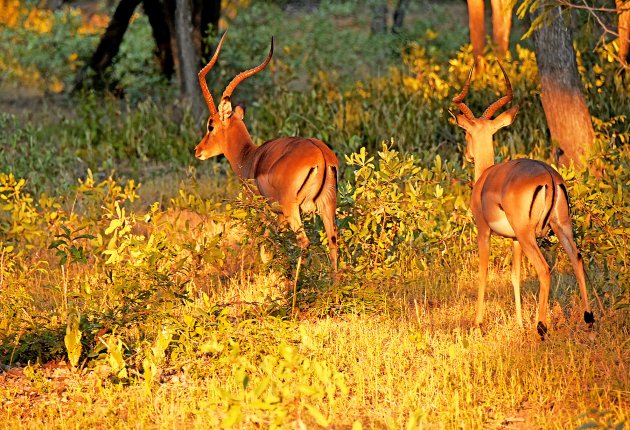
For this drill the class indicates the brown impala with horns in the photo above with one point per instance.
(295, 172)
(518, 199)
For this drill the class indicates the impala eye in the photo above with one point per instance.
(210, 127)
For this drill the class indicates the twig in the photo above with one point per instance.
(591, 10)
(586, 6)
(295, 281)
(599, 302)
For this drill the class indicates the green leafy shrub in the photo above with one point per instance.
(399, 218)
(600, 208)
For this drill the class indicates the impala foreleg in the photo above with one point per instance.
(483, 242)
(517, 253)
(531, 250)
(565, 236)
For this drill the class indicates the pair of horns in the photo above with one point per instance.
(494, 107)
(234, 83)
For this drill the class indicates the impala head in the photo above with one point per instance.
(224, 122)
(479, 131)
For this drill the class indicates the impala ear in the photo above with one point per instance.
(463, 121)
(239, 111)
(505, 118)
(225, 109)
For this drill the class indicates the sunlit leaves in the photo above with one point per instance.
(72, 340)
(397, 213)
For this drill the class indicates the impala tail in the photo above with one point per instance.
(543, 202)
(326, 206)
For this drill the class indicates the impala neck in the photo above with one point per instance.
(239, 151)
(484, 159)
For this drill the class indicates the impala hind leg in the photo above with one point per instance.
(517, 253)
(291, 214)
(483, 242)
(531, 250)
(564, 232)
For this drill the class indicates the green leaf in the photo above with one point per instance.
(56, 243)
(72, 339)
(66, 230)
(85, 236)
(233, 416)
(320, 419)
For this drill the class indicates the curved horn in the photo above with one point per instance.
(458, 99)
(246, 74)
(494, 107)
(202, 78)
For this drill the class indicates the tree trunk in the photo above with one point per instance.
(567, 115)
(623, 9)
(477, 27)
(501, 25)
(399, 15)
(169, 8)
(379, 16)
(206, 15)
(188, 58)
(161, 34)
(110, 42)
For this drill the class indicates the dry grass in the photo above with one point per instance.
(419, 363)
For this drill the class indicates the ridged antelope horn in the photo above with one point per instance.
(246, 74)
(458, 99)
(494, 107)
(202, 78)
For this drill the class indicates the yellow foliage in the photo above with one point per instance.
(230, 9)
(56, 86)
(38, 20)
(10, 12)
(93, 24)
(14, 15)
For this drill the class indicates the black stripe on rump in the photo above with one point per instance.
(323, 182)
(531, 206)
(310, 172)
(553, 203)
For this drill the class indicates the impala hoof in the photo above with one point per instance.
(589, 318)
(542, 330)
(481, 328)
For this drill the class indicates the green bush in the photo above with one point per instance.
(398, 218)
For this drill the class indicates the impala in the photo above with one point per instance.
(294, 173)
(518, 199)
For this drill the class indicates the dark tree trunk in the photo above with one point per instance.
(177, 43)
(156, 12)
(501, 25)
(206, 15)
(188, 58)
(399, 15)
(567, 115)
(169, 8)
(379, 16)
(477, 27)
(110, 42)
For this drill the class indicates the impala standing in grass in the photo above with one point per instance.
(295, 173)
(518, 199)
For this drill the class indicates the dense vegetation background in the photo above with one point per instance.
(140, 288)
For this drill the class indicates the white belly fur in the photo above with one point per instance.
(502, 227)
